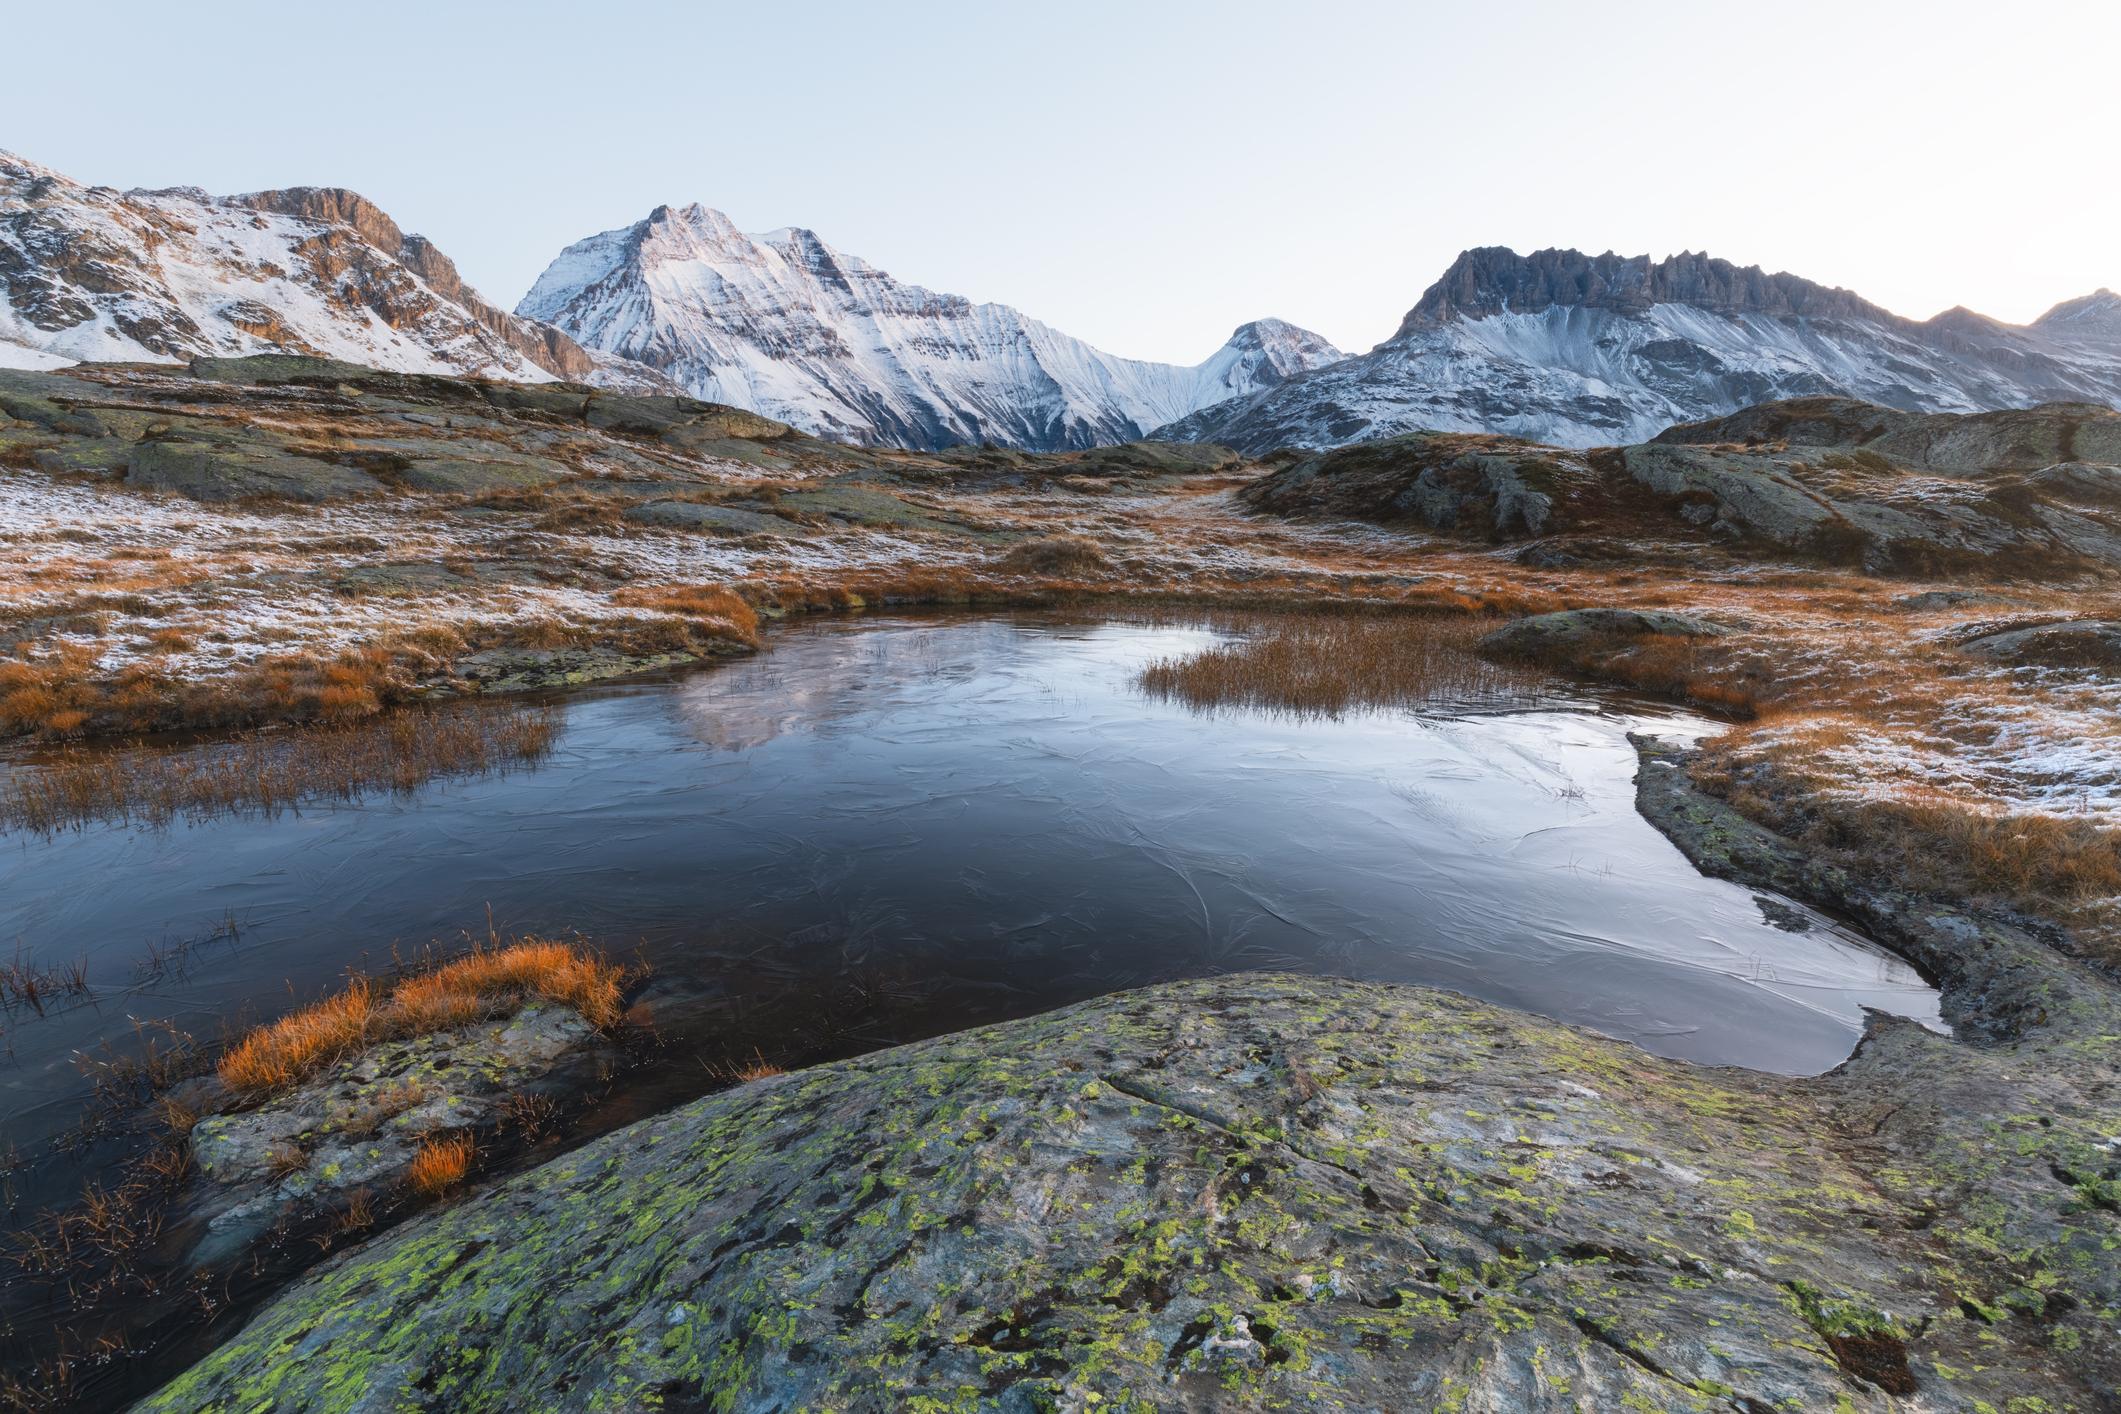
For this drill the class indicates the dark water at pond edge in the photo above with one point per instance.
(884, 829)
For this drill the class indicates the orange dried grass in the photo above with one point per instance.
(441, 1164)
(715, 609)
(485, 983)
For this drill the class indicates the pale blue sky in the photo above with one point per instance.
(1143, 175)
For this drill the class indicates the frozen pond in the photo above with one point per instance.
(887, 828)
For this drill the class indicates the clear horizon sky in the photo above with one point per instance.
(1145, 176)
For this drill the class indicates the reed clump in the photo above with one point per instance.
(1070, 556)
(1328, 664)
(489, 981)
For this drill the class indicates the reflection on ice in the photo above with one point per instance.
(1499, 853)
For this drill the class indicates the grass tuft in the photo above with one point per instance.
(714, 610)
(441, 1164)
(488, 982)
(1071, 556)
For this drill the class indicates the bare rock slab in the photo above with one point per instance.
(1249, 1192)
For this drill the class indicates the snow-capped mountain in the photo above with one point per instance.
(1580, 351)
(785, 325)
(91, 274)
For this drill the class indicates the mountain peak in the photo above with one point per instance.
(330, 206)
(785, 325)
(1280, 350)
(16, 165)
(1490, 280)
(1601, 350)
(171, 274)
(2097, 313)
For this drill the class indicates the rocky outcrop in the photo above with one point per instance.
(2019, 439)
(1475, 485)
(715, 519)
(1805, 422)
(234, 429)
(2030, 493)
(2065, 643)
(1541, 636)
(1258, 1192)
(224, 472)
(1497, 280)
(354, 1130)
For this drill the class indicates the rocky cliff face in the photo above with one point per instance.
(1579, 350)
(1496, 280)
(97, 275)
(785, 325)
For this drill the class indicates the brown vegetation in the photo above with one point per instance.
(489, 981)
(441, 1164)
(26, 983)
(1932, 841)
(273, 772)
(714, 609)
(1329, 663)
(1056, 556)
(743, 1072)
(62, 692)
(1703, 671)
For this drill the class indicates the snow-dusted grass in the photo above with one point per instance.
(118, 568)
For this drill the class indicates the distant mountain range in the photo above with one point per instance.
(783, 324)
(1556, 346)
(1581, 351)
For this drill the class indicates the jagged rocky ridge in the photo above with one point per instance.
(1583, 351)
(785, 325)
(91, 274)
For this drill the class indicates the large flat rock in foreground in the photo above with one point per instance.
(1247, 1192)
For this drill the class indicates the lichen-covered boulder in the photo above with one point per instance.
(714, 519)
(1493, 487)
(2061, 643)
(1256, 1192)
(1539, 635)
(206, 472)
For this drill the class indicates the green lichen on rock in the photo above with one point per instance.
(1247, 1192)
